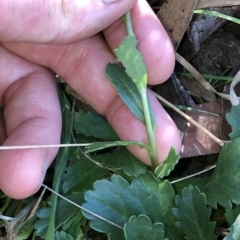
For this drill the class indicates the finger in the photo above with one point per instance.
(153, 41)
(154, 44)
(58, 21)
(32, 117)
(83, 65)
(129, 128)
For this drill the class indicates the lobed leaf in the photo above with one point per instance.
(63, 236)
(168, 165)
(223, 185)
(116, 201)
(132, 61)
(194, 215)
(233, 120)
(234, 230)
(121, 158)
(166, 196)
(141, 227)
(232, 214)
(162, 190)
(126, 89)
(80, 176)
(64, 212)
(42, 223)
(73, 226)
(88, 124)
(195, 181)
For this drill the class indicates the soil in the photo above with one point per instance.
(220, 53)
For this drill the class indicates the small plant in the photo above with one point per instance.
(131, 83)
(121, 196)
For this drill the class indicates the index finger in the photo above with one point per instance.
(82, 65)
(55, 21)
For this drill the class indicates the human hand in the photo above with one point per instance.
(64, 39)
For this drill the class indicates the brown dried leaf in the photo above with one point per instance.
(196, 89)
(195, 141)
(175, 17)
(201, 80)
(12, 225)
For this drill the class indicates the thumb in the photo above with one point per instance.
(55, 21)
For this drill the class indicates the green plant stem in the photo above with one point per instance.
(128, 24)
(147, 115)
(60, 162)
(208, 76)
(150, 130)
(220, 15)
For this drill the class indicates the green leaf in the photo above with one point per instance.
(116, 201)
(121, 158)
(72, 226)
(64, 212)
(162, 190)
(90, 125)
(219, 15)
(61, 160)
(223, 185)
(195, 181)
(232, 214)
(168, 165)
(233, 120)
(194, 215)
(96, 146)
(42, 223)
(141, 227)
(234, 230)
(26, 229)
(126, 89)
(149, 182)
(63, 236)
(132, 60)
(170, 230)
(166, 196)
(80, 176)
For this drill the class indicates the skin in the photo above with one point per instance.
(62, 37)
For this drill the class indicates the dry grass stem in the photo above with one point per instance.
(195, 174)
(44, 146)
(220, 142)
(82, 208)
(199, 77)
